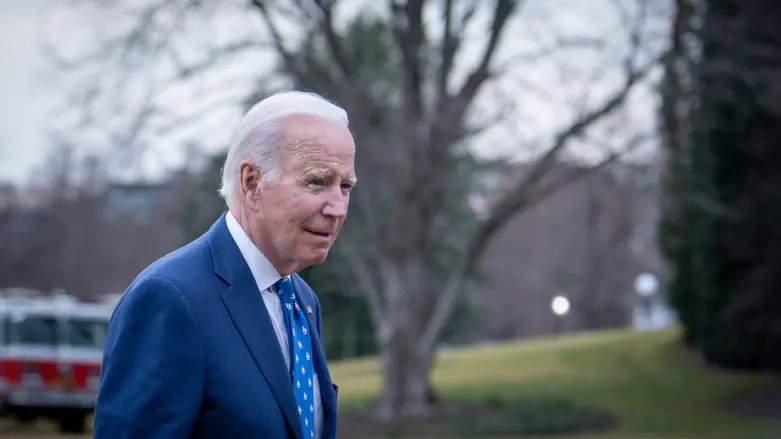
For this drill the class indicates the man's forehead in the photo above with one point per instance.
(309, 129)
(322, 145)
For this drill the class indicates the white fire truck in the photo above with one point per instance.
(50, 358)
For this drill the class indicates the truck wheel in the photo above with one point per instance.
(72, 423)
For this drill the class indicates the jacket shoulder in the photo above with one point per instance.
(184, 268)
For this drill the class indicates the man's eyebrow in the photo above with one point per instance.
(327, 173)
(319, 173)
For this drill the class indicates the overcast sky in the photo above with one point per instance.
(21, 94)
(28, 89)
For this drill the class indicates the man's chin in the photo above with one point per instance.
(318, 257)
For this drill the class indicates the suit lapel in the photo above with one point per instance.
(248, 312)
(326, 388)
(245, 305)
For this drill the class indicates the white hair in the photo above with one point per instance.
(259, 135)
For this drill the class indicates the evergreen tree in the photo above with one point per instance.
(720, 230)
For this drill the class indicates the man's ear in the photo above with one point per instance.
(249, 179)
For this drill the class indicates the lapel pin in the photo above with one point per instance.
(309, 309)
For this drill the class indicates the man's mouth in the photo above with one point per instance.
(319, 233)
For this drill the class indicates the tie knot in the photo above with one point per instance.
(285, 290)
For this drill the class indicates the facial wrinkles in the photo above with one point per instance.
(318, 161)
(321, 167)
(302, 149)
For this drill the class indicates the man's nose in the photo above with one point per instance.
(336, 205)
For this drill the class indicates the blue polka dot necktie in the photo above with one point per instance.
(300, 355)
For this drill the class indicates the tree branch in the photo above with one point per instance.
(447, 125)
(513, 202)
(408, 29)
(502, 12)
(123, 43)
(334, 41)
(447, 128)
(451, 41)
(210, 59)
(363, 276)
(518, 199)
(538, 54)
(214, 105)
(581, 172)
(287, 56)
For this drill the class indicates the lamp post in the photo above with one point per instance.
(560, 306)
(646, 287)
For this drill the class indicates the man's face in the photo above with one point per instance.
(300, 213)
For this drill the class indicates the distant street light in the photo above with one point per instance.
(560, 305)
(646, 284)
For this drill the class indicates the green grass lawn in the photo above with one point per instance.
(654, 388)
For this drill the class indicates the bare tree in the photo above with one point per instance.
(414, 134)
(583, 242)
(605, 266)
(75, 235)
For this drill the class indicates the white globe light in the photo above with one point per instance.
(560, 305)
(646, 284)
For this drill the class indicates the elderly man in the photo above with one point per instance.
(221, 338)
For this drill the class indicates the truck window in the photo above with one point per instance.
(86, 333)
(5, 331)
(36, 331)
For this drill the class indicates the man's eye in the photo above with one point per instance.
(347, 187)
(317, 183)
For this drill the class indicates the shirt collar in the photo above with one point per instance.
(262, 270)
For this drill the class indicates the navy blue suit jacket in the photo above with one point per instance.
(191, 353)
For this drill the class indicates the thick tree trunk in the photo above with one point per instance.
(406, 391)
(406, 361)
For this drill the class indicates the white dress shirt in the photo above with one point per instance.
(265, 276)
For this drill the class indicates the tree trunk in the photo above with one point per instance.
(406, 362)
(406, 392)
